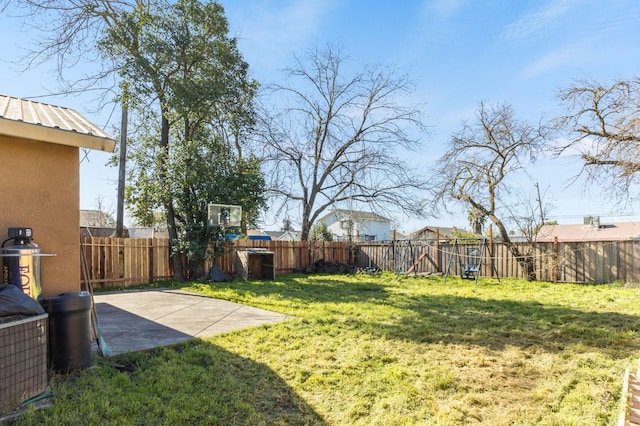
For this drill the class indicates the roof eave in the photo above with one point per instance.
(20, 129)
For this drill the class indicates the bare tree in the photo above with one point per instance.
(481, 159)
(340, 138)
(68, 33)
(603, 127)
(528, 212)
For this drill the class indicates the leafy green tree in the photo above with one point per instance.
(476, 219)
(198, 173)
(463, 234)
(319, 232)
(186, 80)
(190, 87)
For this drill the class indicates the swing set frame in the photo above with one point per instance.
(471, 260)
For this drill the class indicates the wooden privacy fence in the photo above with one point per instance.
(289, 255)
(130, 261)
(579, 262)
(125, 261)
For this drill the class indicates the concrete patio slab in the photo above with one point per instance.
(145, 319)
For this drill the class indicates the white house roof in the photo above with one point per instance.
(355, 215)
(22, 118)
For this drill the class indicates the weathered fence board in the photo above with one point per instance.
(583, 262)
(289, 255)
(126, 261)
(122, 262)
(130, 261)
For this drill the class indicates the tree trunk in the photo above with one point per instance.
(306, 225)
(176, 258)
(525, 261)
(304, 233)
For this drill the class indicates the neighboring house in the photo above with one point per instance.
(591, 230)
(158, 230)
(399, 235)
(142, 232)
(432, 232)
(352, 225)
(96, 218)
(40, 145)
(284, 235)
(96, 223)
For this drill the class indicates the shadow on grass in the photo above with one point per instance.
(500, 323)
(317, 289)
(194, 382)
(493, 323)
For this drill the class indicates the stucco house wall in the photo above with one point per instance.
(40, 190)
(40, 184)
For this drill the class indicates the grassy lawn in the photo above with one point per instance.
(378, 350)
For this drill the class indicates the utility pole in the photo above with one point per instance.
(540, 204)
(122, 163)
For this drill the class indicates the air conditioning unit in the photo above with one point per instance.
(224, 216)
(593, 221)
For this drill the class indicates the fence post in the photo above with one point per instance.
(150, 257)
(635, 270)
(554, 259)
(491, 259)
(438, 264)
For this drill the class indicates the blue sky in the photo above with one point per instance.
(457, 52)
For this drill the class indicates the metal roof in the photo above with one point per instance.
(22, 118)
(600, 232)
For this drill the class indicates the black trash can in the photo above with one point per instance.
(69, 331)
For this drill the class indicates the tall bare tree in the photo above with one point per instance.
(480, 161)
(339, 136)
(67, 32)
(603, 128)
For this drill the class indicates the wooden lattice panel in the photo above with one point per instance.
(630, 415)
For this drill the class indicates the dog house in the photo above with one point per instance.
(255, 264)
